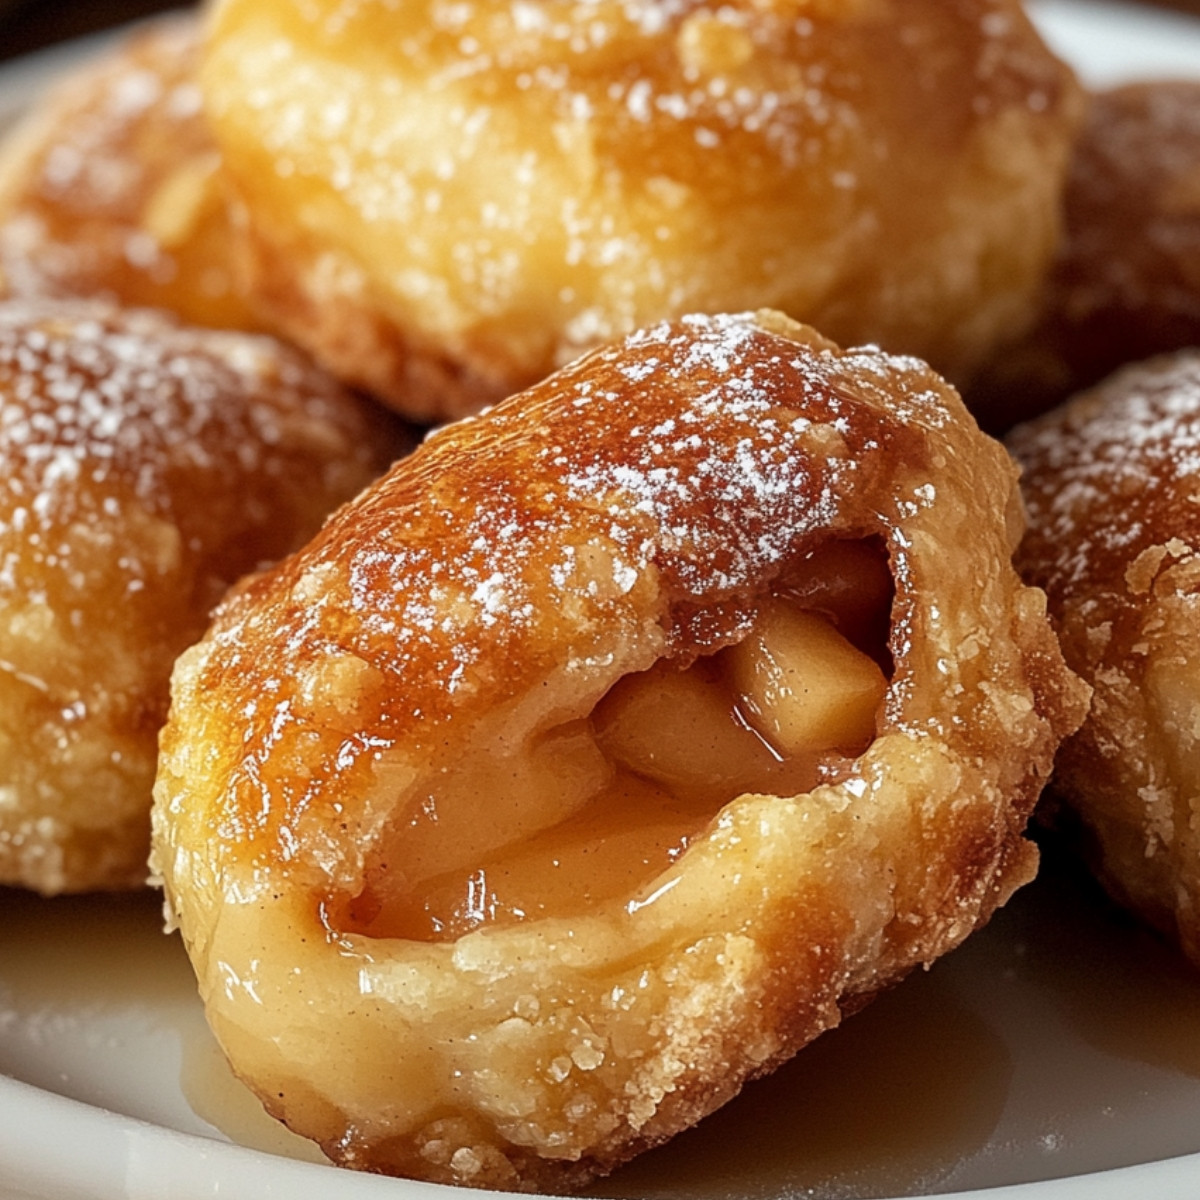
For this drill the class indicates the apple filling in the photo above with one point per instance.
(594, 810)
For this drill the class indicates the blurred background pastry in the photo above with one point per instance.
(1126, 281)
(443, 203)
(1112, 486)
(146, 466)
(109, 188)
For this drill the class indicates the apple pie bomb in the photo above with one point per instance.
(614, 745)
(1113, 483)
(445, 202)
(144, 466)
(110, 187)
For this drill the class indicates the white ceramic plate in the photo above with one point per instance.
(1056, 1056)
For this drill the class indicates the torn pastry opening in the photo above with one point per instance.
(596, 808)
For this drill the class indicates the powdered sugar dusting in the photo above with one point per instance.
(144, 467)
(1108, 474)
(103, 413)
(612, 62)
(658, 483)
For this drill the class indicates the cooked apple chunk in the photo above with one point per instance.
(803, 685)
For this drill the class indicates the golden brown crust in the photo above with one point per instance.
(110, 188)
(1111, 484)
(637, 505)
(1126, 284)
(146, 466)
(514, 187)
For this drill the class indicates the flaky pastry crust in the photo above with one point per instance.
(146, 466)
(1111, 483)
(513, 186)
(1125, 284)
(109, 187)
(637, 507)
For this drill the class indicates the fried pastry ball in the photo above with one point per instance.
(110, 188)
(1112, 482)
(1126, 284)
(608, 750)
(145, 467)
(447, 201)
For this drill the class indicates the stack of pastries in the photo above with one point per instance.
(1111, 480)
(681, 694)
